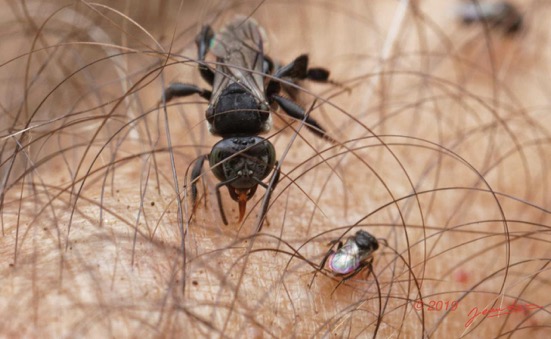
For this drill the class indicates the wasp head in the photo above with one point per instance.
(241, 163)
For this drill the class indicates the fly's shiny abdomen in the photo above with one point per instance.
(346, 260)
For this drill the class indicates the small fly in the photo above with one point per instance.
(240, 103)
(351, 257)
(495, 14)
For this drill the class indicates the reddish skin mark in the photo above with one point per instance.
(461, 276)
(497, 312)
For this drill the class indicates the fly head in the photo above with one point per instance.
(366, 242)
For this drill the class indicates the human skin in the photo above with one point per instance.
(442, 148)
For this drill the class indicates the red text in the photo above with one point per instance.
(497, 312)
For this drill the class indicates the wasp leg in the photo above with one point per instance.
(269, 190)
(298, 70)
(297, 112)
(203, 40)
(195, 174)
(179, 89)
(219, 199)
(318, 74)
(294, 71)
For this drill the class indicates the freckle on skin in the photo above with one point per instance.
(461, 276)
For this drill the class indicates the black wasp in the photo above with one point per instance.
(239, 108)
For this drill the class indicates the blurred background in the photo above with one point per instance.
(443, 150)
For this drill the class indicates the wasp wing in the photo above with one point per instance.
(240, 56)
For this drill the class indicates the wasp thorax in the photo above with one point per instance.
(237, 110)
(244, 161)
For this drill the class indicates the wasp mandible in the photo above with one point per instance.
(245, 88)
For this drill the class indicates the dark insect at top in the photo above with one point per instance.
(500, 14)
(239, 108)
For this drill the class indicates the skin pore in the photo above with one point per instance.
(442, 150)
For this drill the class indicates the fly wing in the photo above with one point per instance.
(239, 51)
